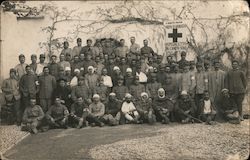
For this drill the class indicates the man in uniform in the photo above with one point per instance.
(53, 66)
(57, 115)
(10, 88)
(236, 83)
(122, 50)
(28, 86)
(77, 49)
(112, 110)
(96, 111)
(88, 48)
(32, 117)
(134, 47)
(41, 64)
(185, 108)
(20, 68)
(146, 50)
(47, 84)
(182, 63)
(33, 64)
(78, 114)
(120, 90)
(66, 48)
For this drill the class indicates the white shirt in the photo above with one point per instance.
(74, 81)
(207, 106)
(127, 107)
(107, 81)
(142, 77)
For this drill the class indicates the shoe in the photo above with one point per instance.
(34, 131)
(101, 124)
(93, 124)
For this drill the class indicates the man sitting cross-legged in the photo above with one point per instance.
(96, 111)
(228, 108)
(207, 109)
(129, 110)
(78, 114)
(185, 108)
(145, 109)
(32, 117)
(57, 115)
(163, 107)
(112, 110)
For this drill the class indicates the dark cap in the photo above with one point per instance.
(183, 53)
(12, 70)
(21, 55)
(42, 55)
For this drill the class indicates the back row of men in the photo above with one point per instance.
(143, 86)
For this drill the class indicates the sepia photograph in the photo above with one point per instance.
(125, 80)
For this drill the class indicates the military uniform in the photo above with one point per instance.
(57, 116)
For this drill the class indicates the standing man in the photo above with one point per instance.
(88, 48)
(182, 63)
(122, 50)
(10, 89)
(28, 86)
(236, 84)
(20, 68)
(47, 84)
(63, 63)
(41, 64)
(53, 66)
(134, 47)
(216, 81)
(66, 48)
(33, 64)
(146, 50)
(77, 49)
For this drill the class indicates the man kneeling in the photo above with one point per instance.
(57, 115)
(78, 114)
(32, 117)
(129, 110)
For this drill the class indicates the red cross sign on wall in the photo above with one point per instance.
(175, 35)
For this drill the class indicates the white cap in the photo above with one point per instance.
(127, 95)
(90, 67)
(184, 92)
(76, 70)
(96, 96)
(116, 68)
(67, 69)
(129, 70)
(82, 69)
(112, 94)
(161, 89)
(144, 94)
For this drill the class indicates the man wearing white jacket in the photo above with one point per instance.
(129, 110)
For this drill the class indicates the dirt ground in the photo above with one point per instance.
(174, 141)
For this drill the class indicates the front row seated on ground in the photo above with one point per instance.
(114, 112)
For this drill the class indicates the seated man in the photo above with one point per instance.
(185, 108)
(145, 109)
(96, 111)
(163, 107)
(57, 115)
(207, 109)
(112, 110)
(32, 117)
(228, 108)
(129, 110)
(78, 114)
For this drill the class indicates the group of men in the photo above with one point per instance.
(101, 84)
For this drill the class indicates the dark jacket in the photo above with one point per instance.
(236, 82)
